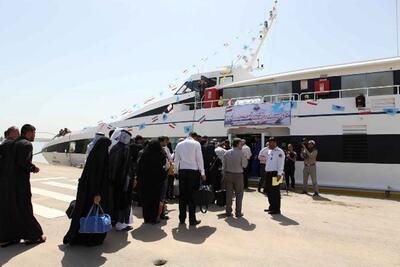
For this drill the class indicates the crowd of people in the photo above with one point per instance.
(120, 169)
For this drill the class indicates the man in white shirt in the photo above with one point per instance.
(247, 153)
(274, 168)
(189, 165)
(262, 157)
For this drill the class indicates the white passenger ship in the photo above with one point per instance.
(350, 110)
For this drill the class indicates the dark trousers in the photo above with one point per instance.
(273, 193)
(170, 192)
(246, 177)
(289, 175)
(263, 174)
(189, 182)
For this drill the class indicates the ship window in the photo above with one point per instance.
(367, 80)
(60, 148)
(81, 146)
(72, 146)
(225, 80)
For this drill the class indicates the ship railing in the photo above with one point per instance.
(353, 92)
(281, 97)
(236, 101)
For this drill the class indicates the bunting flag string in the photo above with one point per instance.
(202, 119)
(154, 119)
(187, 129)
(149, 100)
(390, 111)
(312, 103)
(338, 108)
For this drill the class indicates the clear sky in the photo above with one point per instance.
(73, 63)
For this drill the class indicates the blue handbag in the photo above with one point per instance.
(95, 222)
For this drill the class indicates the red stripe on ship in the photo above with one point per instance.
(312, 103)
(172, 125)
(364, 112)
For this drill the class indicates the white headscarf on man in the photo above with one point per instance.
(93, 142)
(119, 135)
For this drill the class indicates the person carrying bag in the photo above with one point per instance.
(96, 221)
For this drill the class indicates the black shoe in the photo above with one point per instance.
(239, 215)
(10, 243)
(267, 210)
(182, 222)
(274, 212)
(164, 217)
(316, 195)
(304, 192)
(259, 190)
(195, 223)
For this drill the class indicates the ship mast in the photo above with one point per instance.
(262, 37)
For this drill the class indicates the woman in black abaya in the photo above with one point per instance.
(151, 174)
(92, 189)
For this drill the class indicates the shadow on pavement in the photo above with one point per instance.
(241, 223)
(10, 252)
(92, 256)
(137, 212)
(193, 235)
(320, 198)
(283, 220)
(214, 208)
(149, 232)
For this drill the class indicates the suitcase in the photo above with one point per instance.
(220, 197)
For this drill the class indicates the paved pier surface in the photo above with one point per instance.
(330, 231)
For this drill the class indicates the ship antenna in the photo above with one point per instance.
(262, 37)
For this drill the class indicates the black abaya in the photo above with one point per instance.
(8, 201)
(29, 227)
(121, 183)
(151, 175)
(93, 182)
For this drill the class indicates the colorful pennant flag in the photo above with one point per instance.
(142, 126)
(312, 103)
(164, 116)
(187, 129)
(365, 112)
(202, 119)
(391, 111)
(149, 100)
(154, 119)
(338, 108)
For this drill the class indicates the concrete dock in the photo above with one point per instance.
(333, 230)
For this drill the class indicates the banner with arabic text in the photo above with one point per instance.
(258, 114)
